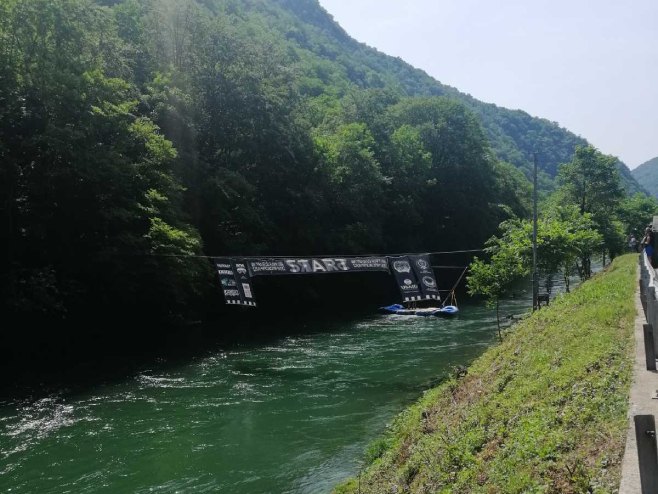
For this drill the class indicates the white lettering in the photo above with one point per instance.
(317, 266)
(267, 266)
(294, 268)
(330, 264)
(342, 264)
(306, 266)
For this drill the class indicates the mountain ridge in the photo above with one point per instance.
(553, 143)
(646, 175)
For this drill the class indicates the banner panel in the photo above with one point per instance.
(244, 282)
(236, 284)
(405, 278)
(316, 265)
(425, 276)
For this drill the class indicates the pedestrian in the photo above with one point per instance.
(647, 242)
(632, 243)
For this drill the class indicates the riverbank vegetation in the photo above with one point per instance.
(587, 216)
(544, 411)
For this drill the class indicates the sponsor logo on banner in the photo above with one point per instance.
(405, 277)
(423, 270)
(423, 264)
(429, 282)
(234, 278)
(409, 285)
(402, 266)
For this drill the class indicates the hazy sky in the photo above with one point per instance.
(589, 65)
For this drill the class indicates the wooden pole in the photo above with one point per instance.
(535, 281)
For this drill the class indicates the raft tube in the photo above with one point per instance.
(448, 310)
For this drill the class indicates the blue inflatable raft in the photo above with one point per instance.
(448, 310)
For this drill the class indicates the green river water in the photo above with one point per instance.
(288, 414)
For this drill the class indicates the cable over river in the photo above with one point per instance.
(293, 414)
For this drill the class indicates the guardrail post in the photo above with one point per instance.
(649, 347)
(652, 306)
(643, 286)
(647, 453)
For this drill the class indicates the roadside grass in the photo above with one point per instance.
(545, 411)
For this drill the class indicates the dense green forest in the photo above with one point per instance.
(137, 136)
(647, 175)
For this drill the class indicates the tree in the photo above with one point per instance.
(465, 189)
(507, 263)
(561, 242)
(591, 182)
(564, 237)
(354, 176)
(493, 279)
(92, 206)
(636, 211)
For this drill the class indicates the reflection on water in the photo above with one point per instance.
(292, 415)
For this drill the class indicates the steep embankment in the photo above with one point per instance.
(545, 411)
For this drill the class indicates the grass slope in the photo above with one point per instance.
(544, 411)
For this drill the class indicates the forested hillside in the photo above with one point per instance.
(647, 176)
(514, 135)
(138, 136)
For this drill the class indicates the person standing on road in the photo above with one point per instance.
(632, 243)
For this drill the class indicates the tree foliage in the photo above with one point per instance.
(135, 135)
(586, 216)
(590, 181)
(636, 212)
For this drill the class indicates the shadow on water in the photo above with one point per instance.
(77, 355)
(41, 366)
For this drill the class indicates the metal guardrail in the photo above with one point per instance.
(648, 297)
(645, 429)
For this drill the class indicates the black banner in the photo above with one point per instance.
(316, 265)
(413, 273)
(425, 275)
(235, 280)
(405, 278)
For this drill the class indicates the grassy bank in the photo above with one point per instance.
(544, 411)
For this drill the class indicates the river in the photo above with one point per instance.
(284, 414)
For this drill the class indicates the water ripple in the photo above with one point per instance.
(288, 417)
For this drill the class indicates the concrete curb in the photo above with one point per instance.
(644, 384)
